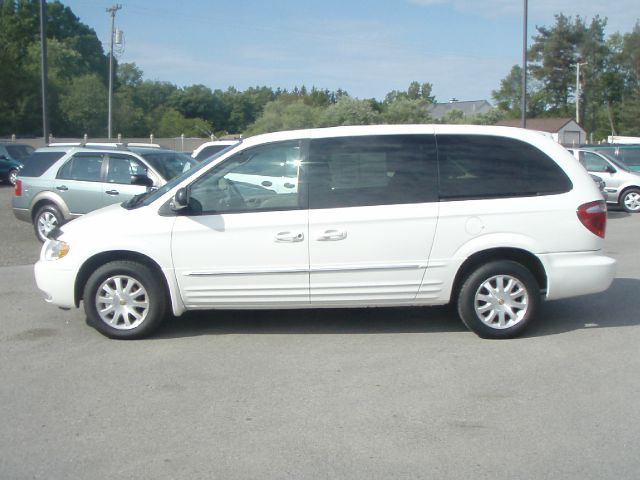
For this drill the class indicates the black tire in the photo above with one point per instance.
(498, 314)
(137, 297)
(46, 219)
(11, 176)
(630, 200)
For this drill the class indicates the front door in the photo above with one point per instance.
(240, 244)
(372, 218)
(79, 182)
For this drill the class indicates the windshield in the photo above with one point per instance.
(169, 164)
(613, 159)
(151, 196)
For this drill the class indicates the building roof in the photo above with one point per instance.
(551, 125)
(472, 107)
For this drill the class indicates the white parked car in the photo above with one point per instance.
(208, 149)
(492, 219)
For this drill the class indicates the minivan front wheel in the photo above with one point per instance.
(47, 218)
(630, 200)
(498, 299)
(124, 300)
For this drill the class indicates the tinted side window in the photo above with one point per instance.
(246, 182)
(593, 162)
(121, 167)
(478, 166)
(83, 167)
(631, 156)
(371, 170)
(40, 162)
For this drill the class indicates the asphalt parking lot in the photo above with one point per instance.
(361, 394)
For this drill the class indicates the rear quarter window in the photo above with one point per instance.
(476, 166)
(39, 162)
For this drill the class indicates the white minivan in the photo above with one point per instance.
(491, 219)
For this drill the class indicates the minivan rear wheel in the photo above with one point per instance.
(630, 200)
(124, 300)
(498, 299)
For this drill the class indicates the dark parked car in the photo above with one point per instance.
(12, 156)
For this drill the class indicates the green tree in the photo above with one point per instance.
(82, 113)
(406, 110)
(283, 114)
(350, 111)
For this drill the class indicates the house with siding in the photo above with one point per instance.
(563, 130)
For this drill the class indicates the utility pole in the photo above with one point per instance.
(578, 90)
(44, 69)
(523, 102)
(112, 11)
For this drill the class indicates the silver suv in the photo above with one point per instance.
(60, 183)
(622, 186)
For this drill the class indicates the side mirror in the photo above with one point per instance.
(180, 200)
(610, 169)
(3, 157)
(141, 180)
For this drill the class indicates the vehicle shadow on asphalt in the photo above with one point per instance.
(314, 321)
(617, 307)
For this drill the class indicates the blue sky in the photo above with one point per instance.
(368, 48)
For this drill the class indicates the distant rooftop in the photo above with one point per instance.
(473, 107)
(551, 125)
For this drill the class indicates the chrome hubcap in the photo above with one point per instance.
(501, 301)
(122, 302)
(13, 176)
(632, 201)
(46, 222)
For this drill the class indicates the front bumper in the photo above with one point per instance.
(56, 283)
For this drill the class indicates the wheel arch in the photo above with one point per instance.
(49, 198)
(523, 257)
(102, 258)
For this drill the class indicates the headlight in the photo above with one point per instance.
(56, 249)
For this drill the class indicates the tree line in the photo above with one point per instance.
(78, 79)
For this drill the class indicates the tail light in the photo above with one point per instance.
(18, 188)
(593, 215)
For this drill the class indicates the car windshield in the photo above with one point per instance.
(19, 152)
(151, 196)
(613, 159)
(169, 164)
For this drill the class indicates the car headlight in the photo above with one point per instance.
(56, 249)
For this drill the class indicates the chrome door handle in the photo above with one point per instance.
(289, 237)
(112, 192)
(332, 235)
(62, 188)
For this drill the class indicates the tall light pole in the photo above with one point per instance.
(578, 90)
(523, 102)
(112, 11)
(44, 69)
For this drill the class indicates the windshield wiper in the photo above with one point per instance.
(136, 200)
